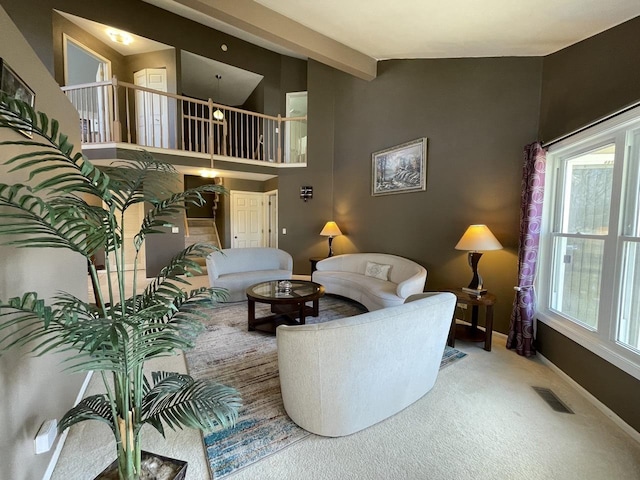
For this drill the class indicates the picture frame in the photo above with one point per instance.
(400, 169)
(13, 86)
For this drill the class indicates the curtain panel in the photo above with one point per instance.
(520, 336)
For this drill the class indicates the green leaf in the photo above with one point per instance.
(96, 407)
(178, 400)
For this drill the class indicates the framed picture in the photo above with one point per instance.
(13, 86)
(400, 169)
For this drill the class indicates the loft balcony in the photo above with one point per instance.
(116, 117)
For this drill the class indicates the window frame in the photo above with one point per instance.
(602, 340)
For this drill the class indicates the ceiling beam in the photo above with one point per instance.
(258, 20)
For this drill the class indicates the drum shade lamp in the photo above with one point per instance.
(476, 238)
(330, 230)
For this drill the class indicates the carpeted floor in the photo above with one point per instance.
(482, 421)
(247, 361)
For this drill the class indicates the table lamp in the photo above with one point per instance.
(477, 237)
(330, 230)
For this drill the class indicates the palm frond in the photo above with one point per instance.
(139, 179)
(180, 264)
(96, 407)
(77, 174)
(178, 400)
(172, 206)
(63, 222)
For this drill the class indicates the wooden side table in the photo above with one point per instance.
(471, 332)
(314, 261)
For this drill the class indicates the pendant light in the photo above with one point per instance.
(218, 115)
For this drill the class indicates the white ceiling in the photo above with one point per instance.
(98, 30)
(383, 29)
(459, 28)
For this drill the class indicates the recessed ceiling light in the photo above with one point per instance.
(118, 36)
(208, 173)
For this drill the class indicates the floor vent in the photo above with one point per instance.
(553, 401)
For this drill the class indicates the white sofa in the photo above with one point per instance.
(342, 376)
(347, 275)
(236, 269)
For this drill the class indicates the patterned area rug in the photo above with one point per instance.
(247, 361)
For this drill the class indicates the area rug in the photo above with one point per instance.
(247, 361)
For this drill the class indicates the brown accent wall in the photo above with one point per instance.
(304, 220)
(591, 79)
(477, 115)
(581, 84)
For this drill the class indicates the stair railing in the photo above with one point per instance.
(115, 111)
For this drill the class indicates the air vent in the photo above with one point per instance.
(552, 400)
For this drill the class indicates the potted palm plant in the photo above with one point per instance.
(69, 203)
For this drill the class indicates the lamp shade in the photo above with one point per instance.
(477, 238)
(330, 230)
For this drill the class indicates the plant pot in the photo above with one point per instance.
(155, 467)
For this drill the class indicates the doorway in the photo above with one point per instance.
(95, 105)
(152, 110)
(254, 219)
(295, 134)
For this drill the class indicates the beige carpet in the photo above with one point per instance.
(482, 420)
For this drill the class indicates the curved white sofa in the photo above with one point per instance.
(342, 376)
(345, 275)
(236, 269)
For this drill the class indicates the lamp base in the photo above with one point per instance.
(474, 291)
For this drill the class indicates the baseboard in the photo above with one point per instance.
(628, 429)
(56, 453)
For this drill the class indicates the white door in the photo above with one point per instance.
(152, 117)
(247, 219)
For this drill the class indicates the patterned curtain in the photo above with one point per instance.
(521, 325)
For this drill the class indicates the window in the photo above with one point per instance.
(589, 282)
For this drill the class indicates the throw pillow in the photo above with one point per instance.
(377, 270)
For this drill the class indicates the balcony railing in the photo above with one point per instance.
(115, 111)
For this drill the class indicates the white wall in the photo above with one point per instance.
(33, 389)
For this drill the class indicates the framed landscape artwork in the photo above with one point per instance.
(13, 86)
(400, 169)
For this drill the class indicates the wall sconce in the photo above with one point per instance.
(306, 192)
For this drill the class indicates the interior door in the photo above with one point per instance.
(152, 116)
(247, 219)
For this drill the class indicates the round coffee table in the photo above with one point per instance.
(289, 306)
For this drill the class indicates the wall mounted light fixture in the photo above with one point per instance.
(306, 192)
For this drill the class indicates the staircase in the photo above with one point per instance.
(201, 230)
